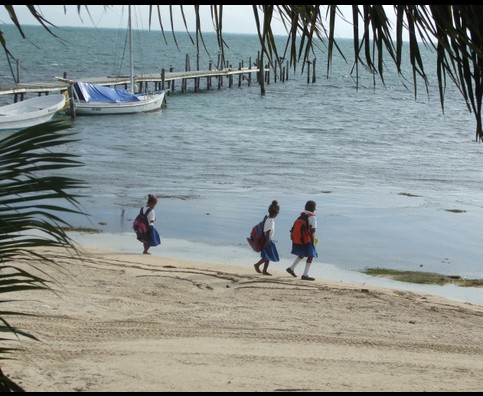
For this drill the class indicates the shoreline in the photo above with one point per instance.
(128, 322)
(243, 258)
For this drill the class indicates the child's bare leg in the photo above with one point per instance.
(257, 266)
(265, 269)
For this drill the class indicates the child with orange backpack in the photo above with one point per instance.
(303, 240)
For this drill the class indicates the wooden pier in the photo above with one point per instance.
(163, 81)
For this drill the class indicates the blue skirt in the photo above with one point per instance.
(154, 239)
(304, 250)
(270, 253)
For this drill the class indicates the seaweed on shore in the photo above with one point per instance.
(423, 278)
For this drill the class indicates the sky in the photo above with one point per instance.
(236, 19)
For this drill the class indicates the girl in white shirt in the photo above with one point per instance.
(269, 251)
(308, 250)
(151, 217)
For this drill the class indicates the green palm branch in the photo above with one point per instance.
(454, 32)
(32, 202)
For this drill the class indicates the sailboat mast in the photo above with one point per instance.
(131, 53)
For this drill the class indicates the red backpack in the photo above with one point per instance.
(257, 236)
(301, 233)
(140, 224)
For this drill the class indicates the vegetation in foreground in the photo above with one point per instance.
(423, 278)
(453, 32)
(33, 200)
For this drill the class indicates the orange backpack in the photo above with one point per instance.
(301, 233)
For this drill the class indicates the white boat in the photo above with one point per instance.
(91, 99)
(30, 112)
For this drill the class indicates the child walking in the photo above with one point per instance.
(269, 251)
(306, 250)
(148, 211)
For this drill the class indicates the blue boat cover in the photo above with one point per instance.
(97, 93)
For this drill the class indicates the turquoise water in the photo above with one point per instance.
(388, 171)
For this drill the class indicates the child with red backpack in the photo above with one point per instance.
(143, 225)
(303, 238)
(269, 250)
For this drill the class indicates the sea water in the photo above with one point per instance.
(397, 181)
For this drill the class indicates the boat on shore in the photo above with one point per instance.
(31, 112)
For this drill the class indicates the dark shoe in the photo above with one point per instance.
(290, 271)
(307, 278)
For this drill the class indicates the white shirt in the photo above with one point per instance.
(312, 220)
(151, 215)
(269, 226)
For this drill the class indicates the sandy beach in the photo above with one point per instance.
(127, 322)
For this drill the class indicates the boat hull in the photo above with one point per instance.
(30, 112)
(147, 103)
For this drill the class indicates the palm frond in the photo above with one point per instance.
(455, 32)
(32, 201)
(7, 385)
